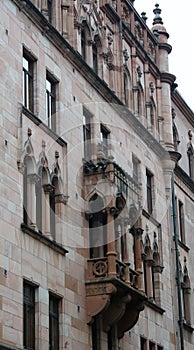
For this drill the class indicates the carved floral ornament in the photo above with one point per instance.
(125, 14)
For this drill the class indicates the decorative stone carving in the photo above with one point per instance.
(151, 50)
(125, 55)
(139, 32)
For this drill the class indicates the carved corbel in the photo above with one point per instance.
(98, 298)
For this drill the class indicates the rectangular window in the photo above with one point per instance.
(95, 58)
(143, 344)
(51, 84)
(53, 322)
(29, 316)
(87, 134)
(111, 338)
(181, 221)
(95, 335)
(151, 346)
(28, 97)
(149, 177)
(49, 6)
(104, 139)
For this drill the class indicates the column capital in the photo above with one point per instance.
(33, 178)
(48, 188)
(61, 198)
(136, 231)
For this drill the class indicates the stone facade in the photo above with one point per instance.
(97, 170)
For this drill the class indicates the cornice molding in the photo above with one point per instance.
(165, 46)
(43, 126)
(167, 77)
(182, 175)
(183, 107)
(45, 240)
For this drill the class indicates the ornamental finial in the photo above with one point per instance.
(157, 18)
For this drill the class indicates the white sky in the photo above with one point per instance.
(178, 19)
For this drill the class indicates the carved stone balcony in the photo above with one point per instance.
(114, 291)
(117, 186)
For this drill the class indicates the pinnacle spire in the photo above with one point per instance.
(157, 19)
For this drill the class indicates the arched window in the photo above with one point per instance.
(97, 227)
(148, 263)
(49, 7)
(29, 182)
(125, 82)
(44, 191)
(186, 288)
(175, 137)
(139, 102)
(127, 87)
(95, 57)
(83, 43)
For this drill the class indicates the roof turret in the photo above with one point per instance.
(158, 28)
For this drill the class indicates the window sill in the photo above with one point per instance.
(154, 306)
(38, 236)
(150, 218)
(4, 346)
(43, 126)
(183, 245)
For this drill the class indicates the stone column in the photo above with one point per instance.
(187, 304)
(46, 226)
(44, 8)
(64, 10)
(60, 201)
(111, 251)
(31, 200)
(137, 236)
(149, 282)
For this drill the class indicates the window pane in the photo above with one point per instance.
(53, 323)
(28, 83)
(149, 192)
(51, 103)
(29, 316)
(143, 344)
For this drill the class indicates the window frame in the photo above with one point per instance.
(54, 315)
(95, 57)
(29, 324)
(28, 81)
(149, 191)
(49, 9)
(95, 334)
(83, 43)
(181, 221)
(51, 101)
(143, 343)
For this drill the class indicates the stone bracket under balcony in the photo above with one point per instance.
(116, 298)
(98, 297)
